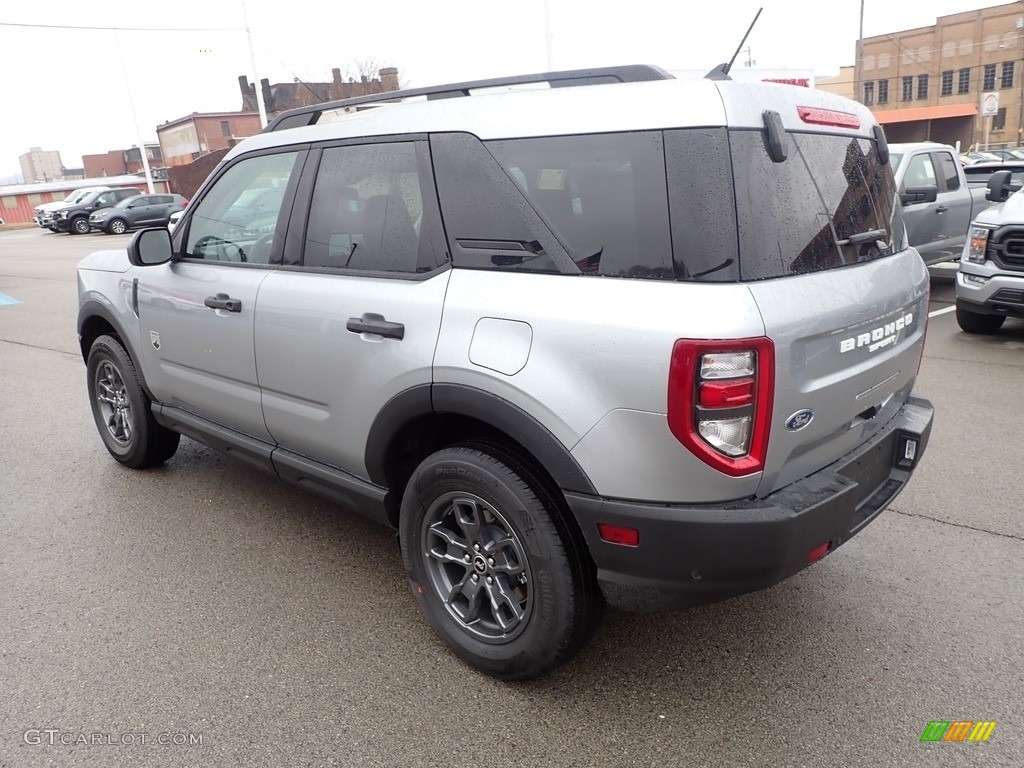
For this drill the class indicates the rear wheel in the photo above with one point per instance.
(117, 227)
(973, 322)
(121, 408)
(497, 573)
(80, 226)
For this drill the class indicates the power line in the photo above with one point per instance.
(120, 29)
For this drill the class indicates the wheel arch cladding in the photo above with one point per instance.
(95, 320)
(419, 420)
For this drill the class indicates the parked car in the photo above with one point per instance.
(938, 203)
(969, 158)
(652, 355)
(1006, 154)
(74, 218)
(174, 218)
(43, 214)
(137, 211)
(990, 279)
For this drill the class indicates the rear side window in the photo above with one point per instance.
(799, 215)
(950, 176)
(603, 197)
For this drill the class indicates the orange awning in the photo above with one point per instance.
(925, 113)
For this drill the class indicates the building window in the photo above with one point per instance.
(225, 129)
(34, 200)
(964, 86)
(869, 93)
(883, 91)
(947, 83)
(922, 86)
(908, 88)
(999, 119)
(10, 201)
(1007, 79)
(989, 81)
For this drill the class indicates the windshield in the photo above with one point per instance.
(126, 202)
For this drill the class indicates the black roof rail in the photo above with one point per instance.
(632, 73)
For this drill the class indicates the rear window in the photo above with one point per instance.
(708, 204)
(798, 216)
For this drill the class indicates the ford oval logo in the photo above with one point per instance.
(799, 420)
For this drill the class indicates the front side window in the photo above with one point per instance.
(920, 172)
(107, 199)
(602, 195)
(237, 217)
(367, 211)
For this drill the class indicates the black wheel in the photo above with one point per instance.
(79, 226)
(117, 227)
(972, 322)
(496, 570)
(121, 408)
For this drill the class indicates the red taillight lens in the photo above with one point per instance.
(720, 395)
(818, 552)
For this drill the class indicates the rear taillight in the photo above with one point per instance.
(720, 401)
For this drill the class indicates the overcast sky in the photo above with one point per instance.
(66, 89)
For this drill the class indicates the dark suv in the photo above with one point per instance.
(74, 218)
(137, 211)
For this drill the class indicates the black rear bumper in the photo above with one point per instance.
(691, 555)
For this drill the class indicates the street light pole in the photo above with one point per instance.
(252, 63)
(135, 118)
(858, 94)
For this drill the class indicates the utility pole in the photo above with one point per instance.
(548, 37)
(858, 89)
(252, 63)
(135, 117)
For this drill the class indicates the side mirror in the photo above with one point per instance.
(999, 187)
(915, 195)
(149, 247)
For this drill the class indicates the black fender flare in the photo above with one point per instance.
(92, 308)
(426, 400)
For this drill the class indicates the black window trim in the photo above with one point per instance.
(295, 237)
(181, 231)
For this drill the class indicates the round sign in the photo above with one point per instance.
(990, 104)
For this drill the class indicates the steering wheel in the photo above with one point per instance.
(222, 247)
(259, 251)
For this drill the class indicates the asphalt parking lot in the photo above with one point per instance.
(206, 602)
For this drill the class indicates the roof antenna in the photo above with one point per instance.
(721, 72)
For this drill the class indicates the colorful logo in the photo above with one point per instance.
(958, 730)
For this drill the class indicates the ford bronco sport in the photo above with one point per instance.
(618, 338)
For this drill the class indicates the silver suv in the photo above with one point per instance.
(613, 339)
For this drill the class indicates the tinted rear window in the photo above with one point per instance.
(794, 216)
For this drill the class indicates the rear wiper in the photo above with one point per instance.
(863, 237)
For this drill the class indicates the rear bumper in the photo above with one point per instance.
(691, 555)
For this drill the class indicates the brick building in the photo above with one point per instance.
(284, 96)
(118, 162)
(927, 83)
(189, 138)
(18, 201)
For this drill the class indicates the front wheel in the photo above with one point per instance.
(117, 227)
(80, 226)
(973, 322)
(121, 408)
(496, 570)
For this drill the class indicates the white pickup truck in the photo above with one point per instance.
(938, 202)
(990, 280)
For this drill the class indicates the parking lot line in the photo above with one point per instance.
(943, 311)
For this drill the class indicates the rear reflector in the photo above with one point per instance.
(618, 534)
(818, 552)
(828, 117)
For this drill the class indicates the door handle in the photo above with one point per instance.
(942, 209)
(371, 322)
(223, 301)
